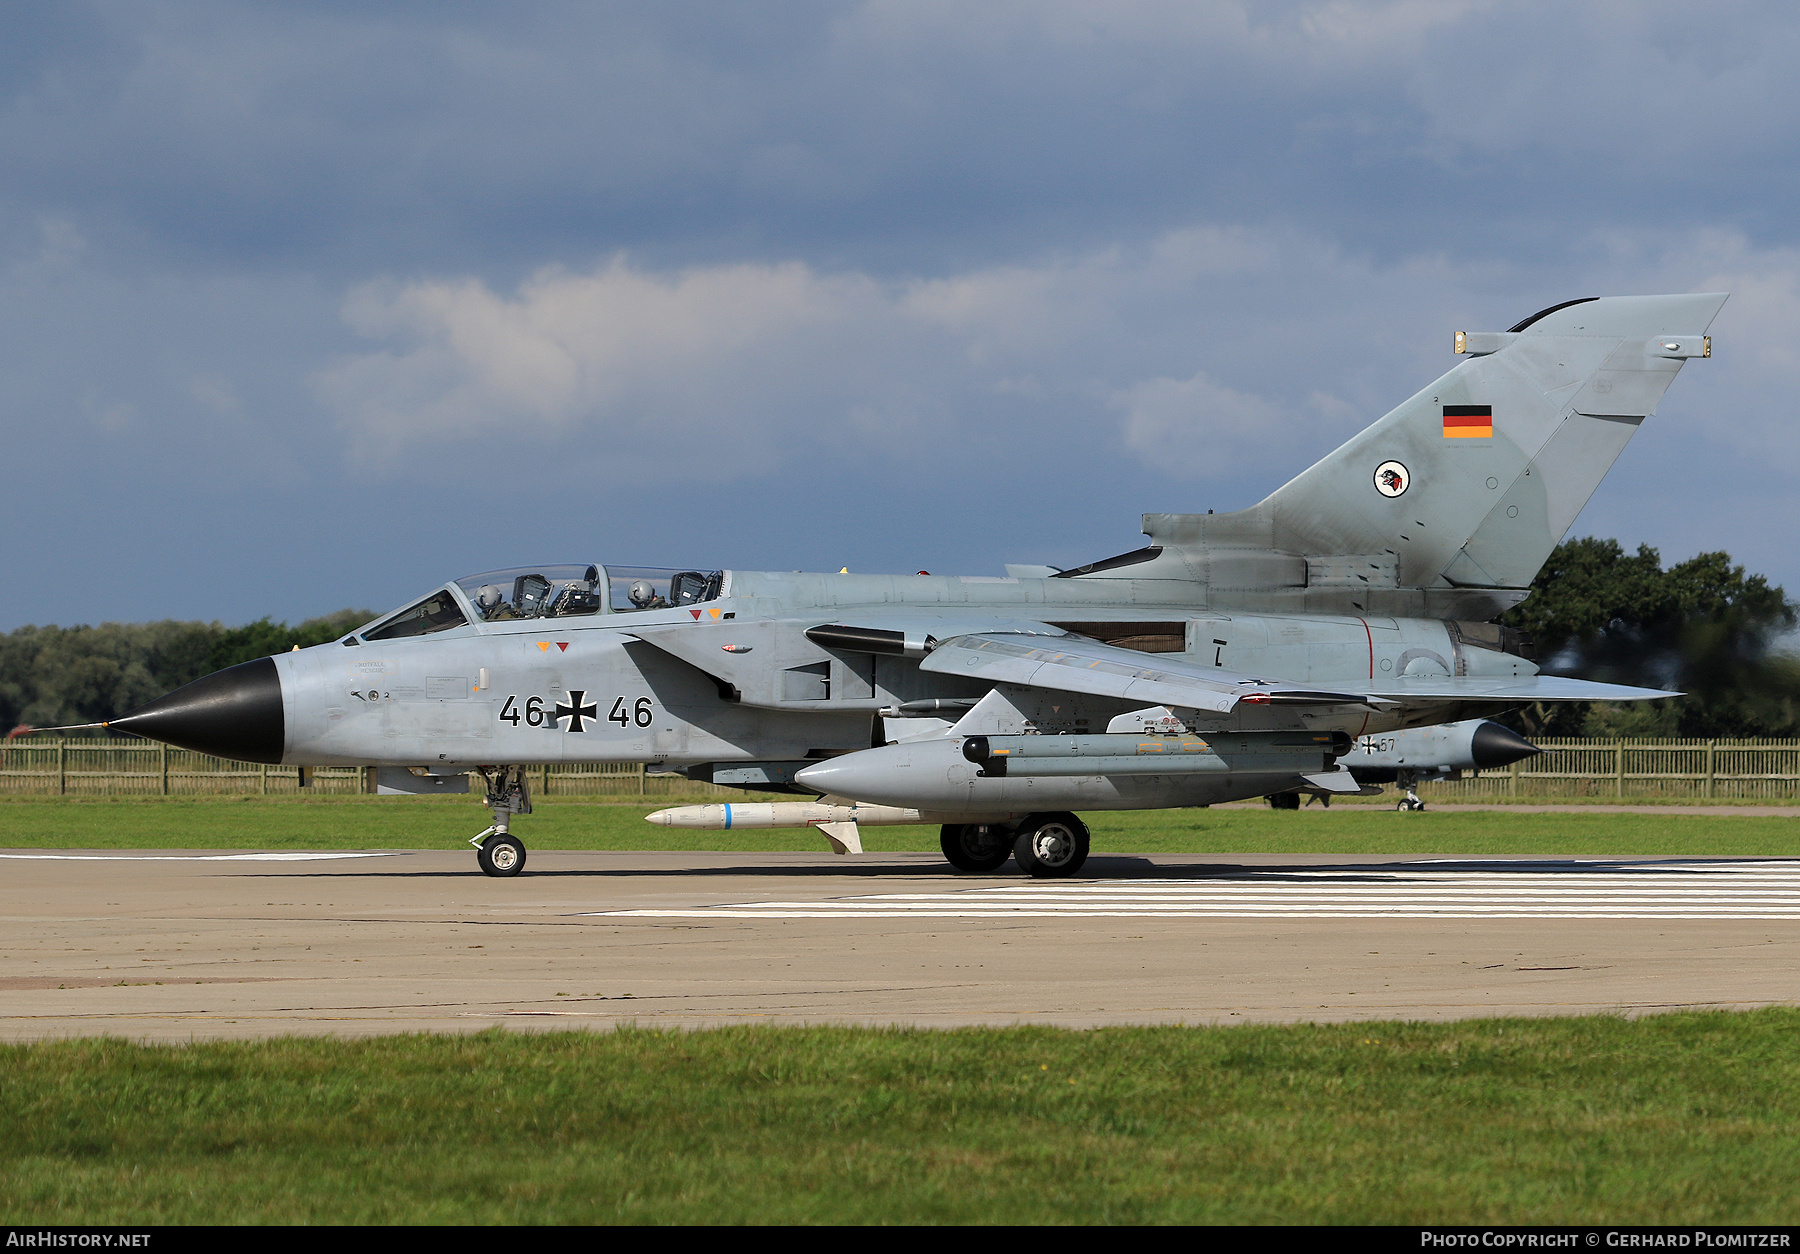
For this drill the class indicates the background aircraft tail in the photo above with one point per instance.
(1469, 484)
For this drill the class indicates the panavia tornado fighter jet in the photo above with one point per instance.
(1408, 758)
(1235, 655)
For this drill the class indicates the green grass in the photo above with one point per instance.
(1675, 1119)
(443, 823)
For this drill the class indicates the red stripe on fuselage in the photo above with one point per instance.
(1371, 636)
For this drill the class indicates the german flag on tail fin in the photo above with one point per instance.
(1468, 422)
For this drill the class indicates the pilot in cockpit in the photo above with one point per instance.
(493, 605)
(643, 594)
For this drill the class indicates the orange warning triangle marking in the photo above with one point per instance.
(543, 646)
(714, 613)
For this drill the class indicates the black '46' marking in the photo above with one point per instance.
(578, 710)
(641, 713)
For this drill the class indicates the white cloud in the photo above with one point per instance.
(1395, 29)
(60, 243)
(216, 394)
(1318, 30)
(765, 364)
(1633, 89)
(1764, 310)
(110, 415)
(1196, 424)
(746, 357)
(1211, 353)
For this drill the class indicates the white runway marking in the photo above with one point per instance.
(1499, 890)
(299, 856)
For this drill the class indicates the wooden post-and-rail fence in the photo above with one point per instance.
(1762, 770)
(41, 766)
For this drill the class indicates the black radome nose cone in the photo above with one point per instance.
(1494, 745)
(233, 713)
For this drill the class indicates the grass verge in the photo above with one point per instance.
(1675, 1119)
(567, 823)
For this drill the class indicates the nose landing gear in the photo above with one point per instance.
(497, 851)
(500, 855)
(1410, 782)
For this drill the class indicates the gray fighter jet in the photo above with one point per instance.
(1409, 758)
(1233, 656)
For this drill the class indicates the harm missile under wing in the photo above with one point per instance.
(1235, 655)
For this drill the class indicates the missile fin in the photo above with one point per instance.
(844, 837)
(1339, 780)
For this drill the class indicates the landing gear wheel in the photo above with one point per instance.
(1410, 803)
(976, 847)
(1285, 800)
(1051, 846)
(501, 856)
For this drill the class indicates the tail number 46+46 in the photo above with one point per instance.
(578, 710)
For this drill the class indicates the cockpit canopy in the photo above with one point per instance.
(533, 592)
(437, 612)
(550, 592)
(649, 588)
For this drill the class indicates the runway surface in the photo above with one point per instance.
(178, 946)
(1419, 890)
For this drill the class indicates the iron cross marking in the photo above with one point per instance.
(575, 711)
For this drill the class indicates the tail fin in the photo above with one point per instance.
(1471, 483)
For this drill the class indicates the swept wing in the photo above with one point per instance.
(1077, 664)
(1429, 689)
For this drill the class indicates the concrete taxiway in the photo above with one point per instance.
(175, 946)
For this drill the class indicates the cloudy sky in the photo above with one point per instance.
(319, 305)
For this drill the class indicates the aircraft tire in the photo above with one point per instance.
(501, 856)
(976, 847)
(1051, 846)
(1285, 800)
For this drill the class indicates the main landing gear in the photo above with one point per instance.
(497, 851)
(977, 847)
(1046, 846)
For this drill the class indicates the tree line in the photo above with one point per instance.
(1704, 627)
(55, 676)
